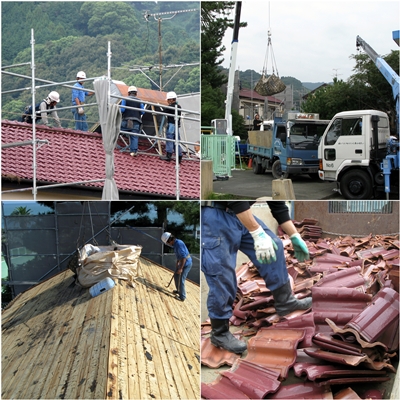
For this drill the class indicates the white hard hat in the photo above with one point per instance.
(165, 236)
(81, 74)
(54, 96)
(132, 89)
(171, 95)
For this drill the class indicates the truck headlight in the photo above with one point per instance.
(294, 161)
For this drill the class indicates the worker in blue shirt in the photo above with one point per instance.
(229, 226)
(132, 119)
(78, 99)
(183, 263)
(172, 130)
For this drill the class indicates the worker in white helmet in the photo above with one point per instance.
(132, 119)
(172, 129)
(78, 99)
(42, 109)
(183, 263)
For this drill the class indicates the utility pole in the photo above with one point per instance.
(159, 17)
(231, 76)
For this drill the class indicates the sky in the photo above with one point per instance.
(312, 41)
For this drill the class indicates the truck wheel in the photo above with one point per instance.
(257, 168)
(277, 171)
(356, 185)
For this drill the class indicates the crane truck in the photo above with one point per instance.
(357, 150)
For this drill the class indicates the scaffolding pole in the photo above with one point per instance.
(34, 191)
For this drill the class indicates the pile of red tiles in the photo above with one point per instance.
(350, 336)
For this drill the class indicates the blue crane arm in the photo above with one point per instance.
(386, 70)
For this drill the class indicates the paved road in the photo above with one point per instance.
(246, 183)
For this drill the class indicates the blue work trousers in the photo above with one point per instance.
(181, 279)
(170, 134)
(134, 140)
(80, 122)
(222, 235)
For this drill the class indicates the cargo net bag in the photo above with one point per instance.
(268, 86)
(272, 84)
(100, 262)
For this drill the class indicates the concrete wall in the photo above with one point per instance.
(348, 223)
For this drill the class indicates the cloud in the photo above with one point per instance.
(312, 41)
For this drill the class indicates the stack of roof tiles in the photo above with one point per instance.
(351, 335)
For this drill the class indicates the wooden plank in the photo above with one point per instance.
(53, 348)
(90, 373)
(27, 327)
(112, 369)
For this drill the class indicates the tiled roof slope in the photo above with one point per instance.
(74, 156)
(128, 343)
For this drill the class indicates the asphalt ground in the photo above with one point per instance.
(248, 185)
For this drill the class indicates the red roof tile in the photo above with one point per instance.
(253, 380)
(299, 391)
(221, 388)
(75, 156)
(275, 349)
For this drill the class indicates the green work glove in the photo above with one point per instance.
(299, 247)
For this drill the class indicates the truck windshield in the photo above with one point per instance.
(308, 134)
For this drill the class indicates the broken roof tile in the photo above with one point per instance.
(318, 371)
(300, 391)
(304, 322)
(349, 359)
(339, 304)
(221, 388)
(379, 321)
(252, 379)
(214, 357)
(349, 277)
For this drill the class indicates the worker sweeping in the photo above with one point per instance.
(183, 263)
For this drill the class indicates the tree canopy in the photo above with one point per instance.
(73, 36)
(366, 89)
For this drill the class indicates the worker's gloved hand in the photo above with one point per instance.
(264, 246)
(299, 247)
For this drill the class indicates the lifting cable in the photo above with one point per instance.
(272, 84)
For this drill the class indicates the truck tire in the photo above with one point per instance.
(277, 171)
(356, 185)
(257, 167)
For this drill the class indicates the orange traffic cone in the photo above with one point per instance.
(250, 164)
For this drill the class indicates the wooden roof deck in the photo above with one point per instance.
(127, 343)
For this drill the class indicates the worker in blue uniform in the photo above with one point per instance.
(229, 226)
(78, 100)
(183, 263)
(172, 130)
(132, 119)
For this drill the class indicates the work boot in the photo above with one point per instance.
(167, 157)
(285, 302)
(221, 337)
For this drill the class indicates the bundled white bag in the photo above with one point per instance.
(99, 262)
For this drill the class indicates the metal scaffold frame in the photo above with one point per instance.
(36, 144)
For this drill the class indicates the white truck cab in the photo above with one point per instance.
(349, 151)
